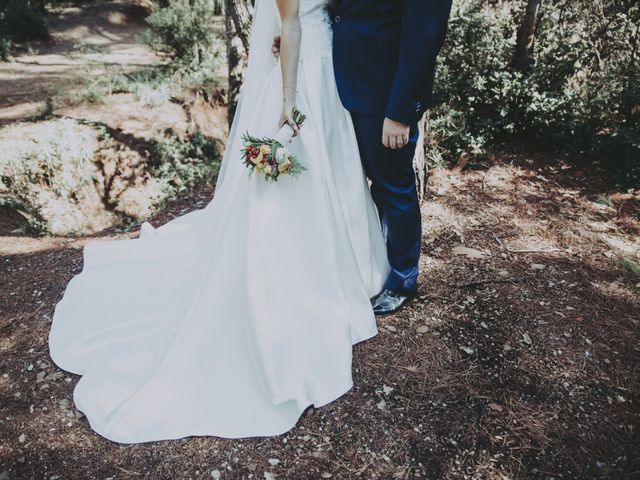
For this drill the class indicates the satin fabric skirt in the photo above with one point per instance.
(231, 320)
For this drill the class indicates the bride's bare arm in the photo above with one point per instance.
(289, 57)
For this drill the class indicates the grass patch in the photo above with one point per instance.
(631, 265)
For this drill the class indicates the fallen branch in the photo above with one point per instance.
(484, 282)
(552, 250)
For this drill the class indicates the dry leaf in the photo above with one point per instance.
(468, 252)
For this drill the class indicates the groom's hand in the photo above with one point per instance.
(275, 48)
(395, 134)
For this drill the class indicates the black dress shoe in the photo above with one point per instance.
(390, 301)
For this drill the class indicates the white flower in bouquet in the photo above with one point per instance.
(282, 154)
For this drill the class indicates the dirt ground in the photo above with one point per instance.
(519, 359)
(86, 41)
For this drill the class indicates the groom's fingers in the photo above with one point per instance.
(399, 141)
(392, 141)
(395, 134)
(275, 48)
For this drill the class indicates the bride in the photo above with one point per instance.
(233, 319)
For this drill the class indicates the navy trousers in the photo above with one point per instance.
(393, 188)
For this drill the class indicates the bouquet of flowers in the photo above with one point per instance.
(269, 157)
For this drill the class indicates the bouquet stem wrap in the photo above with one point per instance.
(285, 134)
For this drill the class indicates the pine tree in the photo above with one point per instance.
(238, 26)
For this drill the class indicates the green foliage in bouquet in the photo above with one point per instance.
(269, 157)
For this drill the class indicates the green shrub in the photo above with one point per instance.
(66, 177)
(152, 87)
(22, 20)
(183, 164)
(48, 177)
(581, 95)
(184, 29)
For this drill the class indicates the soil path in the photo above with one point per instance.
(86, 39)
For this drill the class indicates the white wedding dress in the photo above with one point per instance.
(233, 319)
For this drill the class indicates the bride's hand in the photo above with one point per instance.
(288, 107)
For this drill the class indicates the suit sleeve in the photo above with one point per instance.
(424, 26)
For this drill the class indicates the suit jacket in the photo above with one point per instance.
(384, 54)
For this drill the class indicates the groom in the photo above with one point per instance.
(384, 54)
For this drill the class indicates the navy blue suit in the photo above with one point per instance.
(384, 54)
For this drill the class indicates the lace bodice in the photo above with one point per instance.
(316, 28)
(314, 10)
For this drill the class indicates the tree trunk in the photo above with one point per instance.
(420, 163)
(526, 37)
(238, 26)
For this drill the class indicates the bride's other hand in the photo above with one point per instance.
(275, 48)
